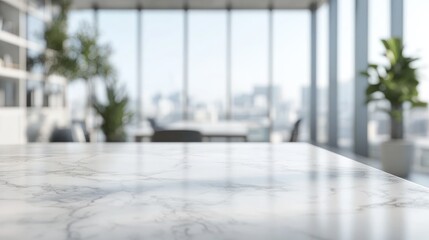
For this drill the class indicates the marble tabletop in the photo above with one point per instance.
(202, 191)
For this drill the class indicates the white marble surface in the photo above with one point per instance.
(202, 191)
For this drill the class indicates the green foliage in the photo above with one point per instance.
(114, 113)
(395, 82)
(81, 56)
(55, 59)
(76, 56)
(56, 33)
(90, 58)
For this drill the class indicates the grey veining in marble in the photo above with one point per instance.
(202, 191)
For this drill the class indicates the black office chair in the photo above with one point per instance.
(154, 124)
(62, 135)
(177, 136)
(295, 131)
(68, 134)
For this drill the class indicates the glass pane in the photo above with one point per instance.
(163, 65)
(379, 28)
(291, 73)
(416, 44)
(78, 17)
(322, 74)
(77, 90)
(124, 48)
(346, 72)
(250, 71)
(207, 58)
(35, 30)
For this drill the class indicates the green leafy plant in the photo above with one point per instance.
(114, 112)
(80, 56)
(395, 83)
(55, 59)
(74, 56)
(55, 33)
(91, 58)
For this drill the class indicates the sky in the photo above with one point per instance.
(162, 44)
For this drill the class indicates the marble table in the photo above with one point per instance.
(202, 191)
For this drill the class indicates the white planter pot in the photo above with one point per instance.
(397, 157)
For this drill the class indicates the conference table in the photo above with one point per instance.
(202, 191)
(229, 130)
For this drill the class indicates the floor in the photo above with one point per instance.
(418, 176)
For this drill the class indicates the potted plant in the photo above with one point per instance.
(395, 84)
(114, 112)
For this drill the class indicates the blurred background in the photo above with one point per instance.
(256, 71)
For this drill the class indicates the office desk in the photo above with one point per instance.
(202, 191)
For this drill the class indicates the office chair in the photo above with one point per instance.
(66, 134)
(62, 135)
(177, 136)
(154, 124)
(295, 131)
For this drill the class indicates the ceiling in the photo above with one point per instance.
(196, 4)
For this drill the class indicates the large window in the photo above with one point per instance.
(164, 52)
(163, 65)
